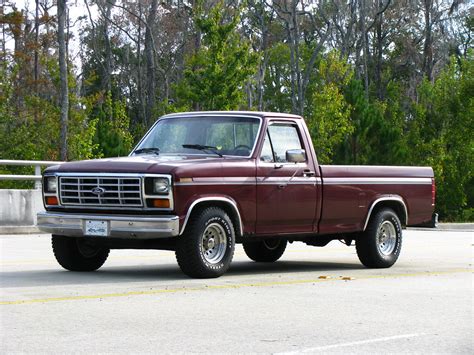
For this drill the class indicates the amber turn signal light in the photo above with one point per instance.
(52, 201)
(161, 203)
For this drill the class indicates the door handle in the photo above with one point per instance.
(308, 173)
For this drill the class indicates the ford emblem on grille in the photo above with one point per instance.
(99, 191)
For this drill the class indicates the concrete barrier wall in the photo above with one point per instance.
(19, 207)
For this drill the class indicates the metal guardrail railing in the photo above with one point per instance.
(36, 163)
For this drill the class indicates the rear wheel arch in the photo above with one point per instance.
(396, 203)
(228, 205)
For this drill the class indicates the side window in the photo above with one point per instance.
(267, 152)
(283, 137)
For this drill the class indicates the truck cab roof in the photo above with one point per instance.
(233, 113)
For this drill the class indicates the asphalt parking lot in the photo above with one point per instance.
(314, 300)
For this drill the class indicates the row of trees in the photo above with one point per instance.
(378, 81)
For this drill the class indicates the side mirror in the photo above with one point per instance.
(296, 156)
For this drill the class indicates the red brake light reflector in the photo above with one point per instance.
(433, 191)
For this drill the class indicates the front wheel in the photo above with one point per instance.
(379, 246)
(78, 254)
(267, 251)
(206, 248)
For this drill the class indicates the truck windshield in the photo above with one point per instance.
(203, 135)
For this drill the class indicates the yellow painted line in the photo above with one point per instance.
(223, 287)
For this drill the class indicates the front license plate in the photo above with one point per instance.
(97, 228)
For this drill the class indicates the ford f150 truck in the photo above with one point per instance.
(198, 183)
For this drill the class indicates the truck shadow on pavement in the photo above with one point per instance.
(162, 273)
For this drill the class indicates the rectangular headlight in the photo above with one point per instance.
(161, 186)
(50, 184)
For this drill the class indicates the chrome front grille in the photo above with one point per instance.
(100, 191)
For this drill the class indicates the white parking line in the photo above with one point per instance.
(353, 343)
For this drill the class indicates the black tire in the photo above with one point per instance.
(379, 246)
(78, 254)
(206, 248)
(266, 251)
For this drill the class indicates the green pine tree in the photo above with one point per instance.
(214, 77)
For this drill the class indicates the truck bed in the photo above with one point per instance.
(349, 192)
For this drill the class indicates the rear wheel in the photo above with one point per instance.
(379, 246)
(78, 254)
(206, 248)
(268, 250)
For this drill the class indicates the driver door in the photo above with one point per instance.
(286, 192)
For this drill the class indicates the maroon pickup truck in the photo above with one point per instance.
(199, 182)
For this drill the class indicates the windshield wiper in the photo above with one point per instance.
(147, 150)
(203, 147)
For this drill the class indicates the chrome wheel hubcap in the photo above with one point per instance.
(386, 238)
(213, 243)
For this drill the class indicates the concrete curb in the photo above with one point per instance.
(445, 227)
(456, 226)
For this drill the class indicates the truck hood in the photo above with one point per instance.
(151, 164)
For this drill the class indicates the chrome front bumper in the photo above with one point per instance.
(129, 227)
